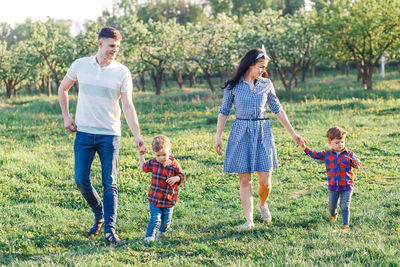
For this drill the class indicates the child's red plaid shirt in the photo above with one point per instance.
(338, 167)
(161, 193)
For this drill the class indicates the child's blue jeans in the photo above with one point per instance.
(159, 215)
(345, 199)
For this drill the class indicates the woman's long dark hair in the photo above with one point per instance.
(249, 59)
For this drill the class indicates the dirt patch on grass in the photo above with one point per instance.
(298, 193)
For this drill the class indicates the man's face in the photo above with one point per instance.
(109, 48)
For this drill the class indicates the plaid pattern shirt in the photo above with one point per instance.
(338, 167)
(161, 193)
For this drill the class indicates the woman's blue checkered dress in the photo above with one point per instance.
(251, 145)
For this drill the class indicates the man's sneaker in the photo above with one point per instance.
(113, 239)
(265, 214)
(96, 228)
(148, 239)
(345, 227)
(333, 218)
(160, 235)
(247, 225)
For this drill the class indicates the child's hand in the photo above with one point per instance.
(356, 162)
(173, 180)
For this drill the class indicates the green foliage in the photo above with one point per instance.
(363, 30)
(213, 47)
(162, 11)
(44, 218)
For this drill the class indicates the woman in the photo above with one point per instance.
(251, 146)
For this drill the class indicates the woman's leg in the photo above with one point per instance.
(264, 186)
(246, 195)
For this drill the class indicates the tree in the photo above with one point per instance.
(53, 42)
(152, 46)
(213, 47)
(365, 29)
(15, 65)
(289, 40)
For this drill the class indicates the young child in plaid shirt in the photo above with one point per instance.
(167, 175)
(338, 162)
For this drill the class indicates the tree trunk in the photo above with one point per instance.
(48, 86)
(142, 82)
(157, 79)
(43, 86)
(347, 69)
(192, 79)
(367, 78)
(165, 80)
(208, 78)
(296, 83)
(304, 71)
(29, 86)
(15, 92)
(9, 91)
(313, 70)
(36, 88)
(179, 80)
(282, 76)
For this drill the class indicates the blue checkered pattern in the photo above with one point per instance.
(251, 145)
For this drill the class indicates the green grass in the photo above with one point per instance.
(43, 217)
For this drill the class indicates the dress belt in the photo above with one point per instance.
(253, 119)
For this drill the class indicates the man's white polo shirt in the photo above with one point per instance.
(98, 110)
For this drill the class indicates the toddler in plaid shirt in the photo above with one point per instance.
(338, 162)
(167, 175)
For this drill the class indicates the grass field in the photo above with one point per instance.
(44, 219)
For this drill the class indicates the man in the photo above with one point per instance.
(102, 81)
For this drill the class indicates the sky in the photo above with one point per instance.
(16, 11)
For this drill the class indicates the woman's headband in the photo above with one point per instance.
(263, 54)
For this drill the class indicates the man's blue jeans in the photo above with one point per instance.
(157, 216)
(345, 199)
(107, 146)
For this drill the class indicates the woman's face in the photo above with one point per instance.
(257, 69)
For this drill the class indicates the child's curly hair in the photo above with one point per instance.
(336, 132)
(160, 142)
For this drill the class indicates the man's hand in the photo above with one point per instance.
(140, 145)
(173, 180)
(69, 124)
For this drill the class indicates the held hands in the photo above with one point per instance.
(69, 124)
(300, 141)
(140, 145)
(173, 180)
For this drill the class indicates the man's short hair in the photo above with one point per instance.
(109, 32)
(336, 132)
(160, 142)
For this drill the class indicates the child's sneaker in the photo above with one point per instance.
(160, 235)
(148, 239)
(247, 225)
(265, 214)
(345, 227)
(333, 218)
